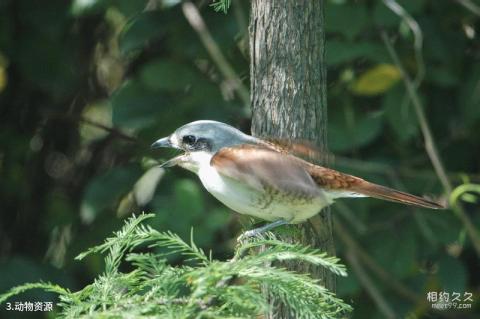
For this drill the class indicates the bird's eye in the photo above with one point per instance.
(189, 139)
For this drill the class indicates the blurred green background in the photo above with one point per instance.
(87, 85)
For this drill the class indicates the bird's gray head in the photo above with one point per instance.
(205, 137)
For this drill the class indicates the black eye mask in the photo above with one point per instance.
(189, 140)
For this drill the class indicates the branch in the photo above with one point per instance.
(417, 36)
(111, 130)
(430, 144)
(198, 24)
(469, 5)
(424, 126)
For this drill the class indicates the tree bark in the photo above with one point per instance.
(289, 100)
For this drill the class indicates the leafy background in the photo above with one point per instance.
(87, 85)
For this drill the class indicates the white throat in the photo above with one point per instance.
(197, 160)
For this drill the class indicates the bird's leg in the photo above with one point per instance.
(260, 230)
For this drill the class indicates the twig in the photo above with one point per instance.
(430, 144)
(76, 119)
(198, 24)
(469, 5)
(427, 135)
(109, 129)
(417, 36)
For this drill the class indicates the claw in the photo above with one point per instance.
(258, 231)
(248, 234)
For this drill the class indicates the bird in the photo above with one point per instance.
(257, 177)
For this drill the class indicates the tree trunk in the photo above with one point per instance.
(289, 100)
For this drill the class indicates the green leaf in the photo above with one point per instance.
(443, 75)
(397, 254)
(135, 107)
(353, 130)
(404, 253)
(85, 7)
(446, 228)
(3, 78)
(342, 51)
(99, 112)
(400, 114)
(105, 190)
(146, 27)
(376, 80)
(54, 65)
(347, 19)
(167, 75)
(383, 16)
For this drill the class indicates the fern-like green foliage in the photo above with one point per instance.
(221, 5)
(202, 287)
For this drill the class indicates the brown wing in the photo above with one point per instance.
(303, 149)
(260, 167)
(343, 183)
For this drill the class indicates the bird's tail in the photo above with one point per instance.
(385, 193)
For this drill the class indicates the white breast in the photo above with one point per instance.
(246, 200)
(231, 193)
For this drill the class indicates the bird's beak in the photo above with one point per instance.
(163, 142)
(166, 142)
(175, 161)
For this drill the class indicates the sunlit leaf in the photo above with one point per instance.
(96, 113)
(144, 188)
(3, 78)
(127, 205)
(376, 80)
(81, 7)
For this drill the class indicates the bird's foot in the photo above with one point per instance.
(256, 232)
(248, 234)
